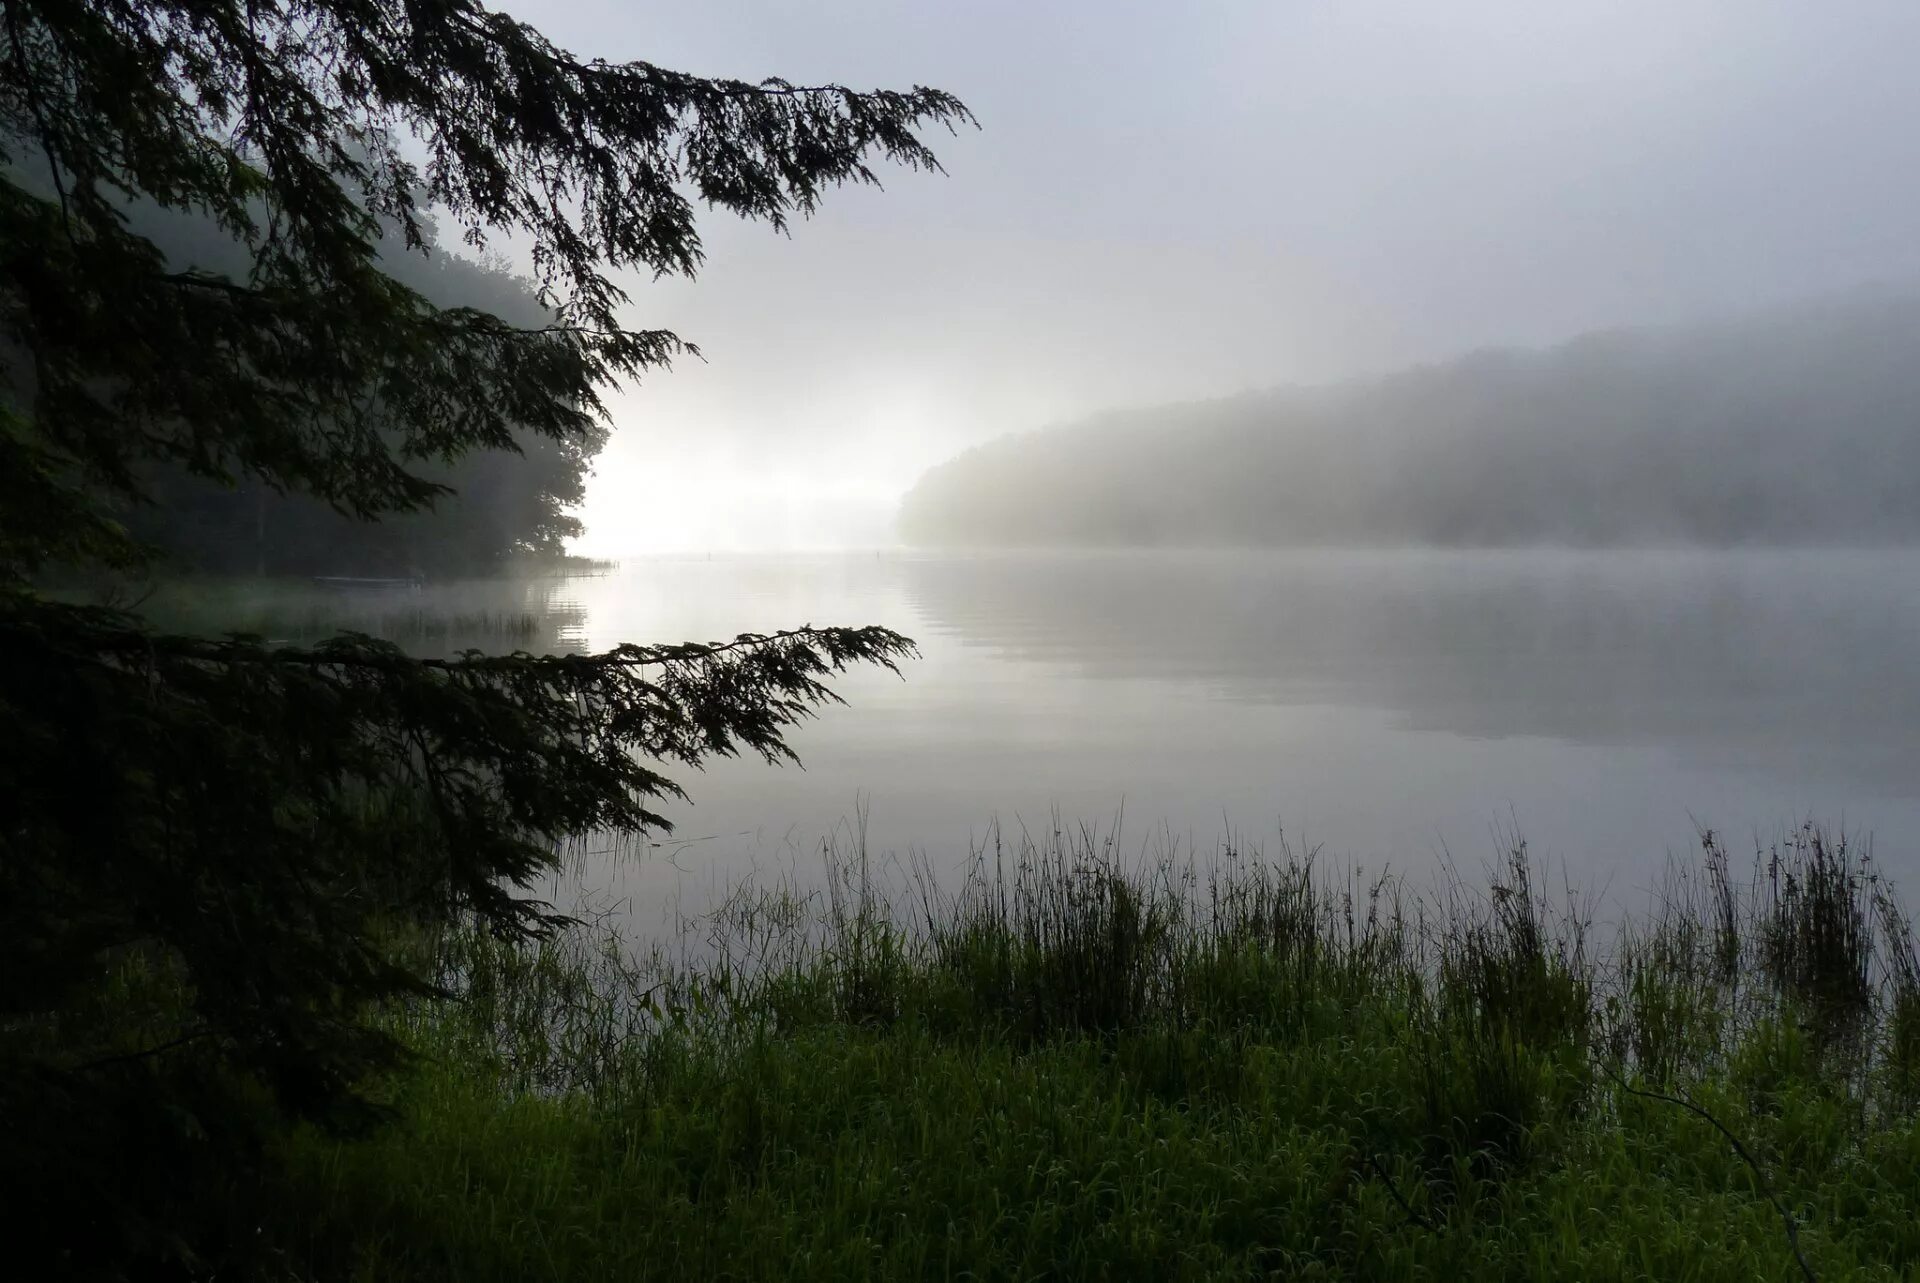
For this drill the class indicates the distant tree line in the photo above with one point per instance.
(502, 502)
(1797, 427)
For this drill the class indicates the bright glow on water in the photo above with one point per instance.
(1391, 706)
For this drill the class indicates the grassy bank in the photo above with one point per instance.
(1074, 1067)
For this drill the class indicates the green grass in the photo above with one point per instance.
(1071, 1068)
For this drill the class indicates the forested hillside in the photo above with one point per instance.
(1800, 426)
(502, 503)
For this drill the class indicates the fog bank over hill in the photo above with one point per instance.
(1797, 426)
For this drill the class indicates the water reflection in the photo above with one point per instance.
(539, 614)
(1794, 663)
(1390, 704)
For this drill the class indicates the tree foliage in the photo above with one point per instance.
(278, 123)
(208, 846)
(502, 503)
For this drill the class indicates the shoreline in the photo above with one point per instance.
(1059, 1070)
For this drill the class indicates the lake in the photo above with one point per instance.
(1393, 708)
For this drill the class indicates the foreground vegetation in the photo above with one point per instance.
(1076, 1067)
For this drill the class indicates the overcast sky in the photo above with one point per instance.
(1179, 200)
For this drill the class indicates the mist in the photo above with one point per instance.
(1793, 427)
(736, 639)
(1168, 204)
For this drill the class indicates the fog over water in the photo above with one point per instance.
(1393, 706)
(1171, 202)
(1171, 205)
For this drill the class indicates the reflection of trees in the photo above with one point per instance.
(1784, 656)
(537, 615)
(540, 615)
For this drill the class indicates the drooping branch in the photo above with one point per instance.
(336, 381)
(523, 721)
(268, 824)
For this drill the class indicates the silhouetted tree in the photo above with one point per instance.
(500, 502)
(205, 845)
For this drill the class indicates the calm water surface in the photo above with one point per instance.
(1391, 707)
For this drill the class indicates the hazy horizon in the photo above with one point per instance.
(875, 529)
(1169, 205)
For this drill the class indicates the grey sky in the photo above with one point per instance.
(1171, 201)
